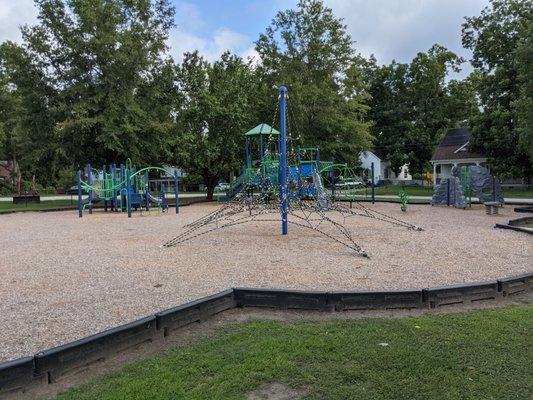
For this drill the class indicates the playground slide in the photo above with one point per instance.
(96, 199)
(154, 199)
(321, 197)
(236, 186)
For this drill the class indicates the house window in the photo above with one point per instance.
(405, 172)
(387, 173)
(437, 169)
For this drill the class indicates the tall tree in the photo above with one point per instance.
(523, 106)
(217, 108)
(308, 50)
(497, 38)
(429, 101)
(29, 119)
(92, 62)
(412, 105)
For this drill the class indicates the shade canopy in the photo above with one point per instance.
(262, 129)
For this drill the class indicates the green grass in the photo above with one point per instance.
(7, 206)
(518, 193)
(425, 191)
(481, 355)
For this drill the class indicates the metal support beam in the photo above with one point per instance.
(80, 199)
(283, 184)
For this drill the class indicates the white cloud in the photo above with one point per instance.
(398, 29)
(13, 14)
(212, 46)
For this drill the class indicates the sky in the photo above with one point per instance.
(388, 29)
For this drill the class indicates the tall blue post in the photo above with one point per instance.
(114, 182)
(176, 191)
(283, 161)
(90, 181)
(80, 200)
(333, 182)
(122, 186)
(373, 185)
(128, 192)
(147, 191)
(104, 184)
(248, 156)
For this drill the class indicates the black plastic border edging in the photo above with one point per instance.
(516, 228)
(71, 357)
(49, 366)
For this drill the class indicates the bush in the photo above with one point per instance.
(67, 178)
(6, 188)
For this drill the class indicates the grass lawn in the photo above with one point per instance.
(6, 206)
(480, 355)
(425, 191)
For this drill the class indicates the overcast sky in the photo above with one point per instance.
(389, 29)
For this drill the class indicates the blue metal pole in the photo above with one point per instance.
(176, 191)
(80, 201)
(128, 191)
(247, 147)
(283, 161)
(90, 181)
(373, 185)
(104, 184)
(146, 191)
(122, 186)
(333, 182)
(114, 182)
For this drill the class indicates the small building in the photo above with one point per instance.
(453, 151)
(382, 168)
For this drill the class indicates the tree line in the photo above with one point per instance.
(93, 82)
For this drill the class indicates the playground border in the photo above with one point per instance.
(516, 225)
(53, 365)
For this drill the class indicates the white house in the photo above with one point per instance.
(382, 169)
(453, 151)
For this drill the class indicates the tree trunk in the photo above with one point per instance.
(210, 182)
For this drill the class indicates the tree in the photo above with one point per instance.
(412, 105)
(498, 39)
(309, 51)
(429, 101)
(28, 117)
(218, 107)
(389, 109)
(523, 106)
(84, 72)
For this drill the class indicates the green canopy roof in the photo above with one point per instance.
(262, 129)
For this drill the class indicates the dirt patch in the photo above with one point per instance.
(276, 391)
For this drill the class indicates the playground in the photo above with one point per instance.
(78, 276)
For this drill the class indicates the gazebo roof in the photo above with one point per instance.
(262, 129)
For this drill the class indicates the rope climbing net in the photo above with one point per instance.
(321, 215)
(259, 200)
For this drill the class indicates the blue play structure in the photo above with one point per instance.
(269, 187)
(122, 189)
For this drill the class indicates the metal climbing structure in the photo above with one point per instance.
(121, 189)
(272, 190)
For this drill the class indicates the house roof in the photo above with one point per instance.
(379, 152)
(262, 129)
(454, 146)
